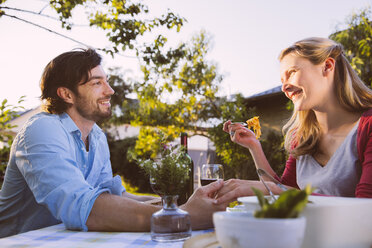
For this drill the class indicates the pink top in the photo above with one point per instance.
(364, 147)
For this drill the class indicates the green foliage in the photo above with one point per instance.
(178, 91)
(177, 94)
(133, 175)
(289, 106)
(149, 142)
(168, 172)
(238, 161)
(289, 204)
(180, 94)
(122, 21)
(273, 147)
(357, 43)
(7, 113)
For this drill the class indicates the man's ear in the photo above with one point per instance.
(65, 94)
(329, 65)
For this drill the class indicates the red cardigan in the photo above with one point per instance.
(364, 147)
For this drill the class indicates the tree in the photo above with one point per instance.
(122, 21)
(181, 94)
(7, 113)
(357, 42)
(177, 91)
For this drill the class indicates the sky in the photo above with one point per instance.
(247, 37)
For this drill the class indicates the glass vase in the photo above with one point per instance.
(170, 223)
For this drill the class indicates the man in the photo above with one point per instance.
(59, 168)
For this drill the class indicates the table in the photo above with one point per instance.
(57, 236)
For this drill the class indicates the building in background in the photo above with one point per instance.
(271, 107)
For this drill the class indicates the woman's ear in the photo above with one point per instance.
(65, 94)
(329, 66)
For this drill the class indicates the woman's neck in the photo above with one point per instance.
(336, 120)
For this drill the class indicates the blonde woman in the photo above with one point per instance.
(329, 137)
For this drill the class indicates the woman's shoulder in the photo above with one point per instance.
(365, 123)
(367, 114)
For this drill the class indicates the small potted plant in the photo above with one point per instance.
(169, 173)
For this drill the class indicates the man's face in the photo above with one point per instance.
(92, 101)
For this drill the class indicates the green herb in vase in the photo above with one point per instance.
(169, 172)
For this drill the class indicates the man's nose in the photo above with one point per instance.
(109, 90)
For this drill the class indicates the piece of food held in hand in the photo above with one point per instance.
(254, 124)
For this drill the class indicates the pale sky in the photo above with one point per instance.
(247, 38)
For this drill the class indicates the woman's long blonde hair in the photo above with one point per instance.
(302, 131)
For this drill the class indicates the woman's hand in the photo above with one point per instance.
(234, 188)
(240, 134)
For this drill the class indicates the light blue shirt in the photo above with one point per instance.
(51, 178)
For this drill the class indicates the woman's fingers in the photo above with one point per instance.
(226, 126)
(239, 133)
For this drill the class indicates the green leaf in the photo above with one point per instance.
(289, 204)
(261, 197)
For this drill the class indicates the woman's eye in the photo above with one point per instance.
(291, 73)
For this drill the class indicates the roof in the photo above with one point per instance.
(264, 94)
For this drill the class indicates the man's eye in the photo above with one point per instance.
(97, 83)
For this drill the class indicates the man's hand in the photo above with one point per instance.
(202, 205)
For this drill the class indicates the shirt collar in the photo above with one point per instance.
(71, 127)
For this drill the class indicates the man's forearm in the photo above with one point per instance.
(116, 213)
(141, 198)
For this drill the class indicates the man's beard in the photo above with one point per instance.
(97, 115)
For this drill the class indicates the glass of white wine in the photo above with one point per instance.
(210, 173)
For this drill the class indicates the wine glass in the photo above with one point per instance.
(210, 173)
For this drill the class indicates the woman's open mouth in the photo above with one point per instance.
(295, 94)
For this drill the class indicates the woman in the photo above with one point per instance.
(329, 137)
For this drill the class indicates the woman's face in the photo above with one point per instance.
(307, 85)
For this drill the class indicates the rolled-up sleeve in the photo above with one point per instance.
(45, 157)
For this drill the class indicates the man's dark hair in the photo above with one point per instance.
(66, 70)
